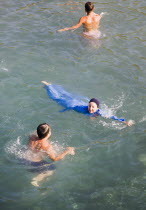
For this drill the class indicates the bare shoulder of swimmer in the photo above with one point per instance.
(33, 137)
(98, 17)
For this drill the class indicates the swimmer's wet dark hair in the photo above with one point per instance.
(89, 6)
(43, 130)
(95, 101)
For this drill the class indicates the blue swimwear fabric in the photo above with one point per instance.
(40, 166)
(72, 102)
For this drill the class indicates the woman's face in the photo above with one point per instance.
(92, 107)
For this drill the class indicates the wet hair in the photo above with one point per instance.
(95, 101)
(89, 6)
(43, 130)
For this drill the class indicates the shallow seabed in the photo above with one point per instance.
(108, 171)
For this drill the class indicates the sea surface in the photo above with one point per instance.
(108, 171)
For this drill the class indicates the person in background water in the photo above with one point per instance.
(40, 147)
(70, 102)
(90, 23)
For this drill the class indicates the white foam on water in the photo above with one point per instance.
(16, 148)
(113, 124)
(3, 66)
(57, 147)
(111, 111)
(104, 13)
(143, 119)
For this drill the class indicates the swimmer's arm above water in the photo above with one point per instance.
(128, 123)
(55, 157)
(81, 21)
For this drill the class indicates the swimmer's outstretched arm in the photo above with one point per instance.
(45, 83)
(129, 122)
(81, 21)
(52, 155)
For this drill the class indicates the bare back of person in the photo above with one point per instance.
(91, 22)
(36, 149)
(91, 25)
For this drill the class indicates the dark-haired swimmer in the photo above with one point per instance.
(69, 102)
(40, 147)
(90, 23)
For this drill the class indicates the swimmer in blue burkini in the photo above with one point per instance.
(40, 147)
(69, 102)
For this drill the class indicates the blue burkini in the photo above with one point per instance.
(72, 102)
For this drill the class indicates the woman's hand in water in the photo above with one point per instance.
(70, 150)
(103, 13)
(129, 123)
(60, 30)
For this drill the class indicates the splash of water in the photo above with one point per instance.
(16, 148)
(110, 111)
(143, 119)
(113, 124)
(103, 13)
(3, 65)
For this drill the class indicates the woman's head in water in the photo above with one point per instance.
(43, 130)
(89, 7)
(93, 105)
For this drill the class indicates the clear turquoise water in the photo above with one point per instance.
(109, 168)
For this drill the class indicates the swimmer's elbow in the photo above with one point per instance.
(77, 26)
(54, 158)
(73, 27)
(58, 157)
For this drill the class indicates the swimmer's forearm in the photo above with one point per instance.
(63, 29)
(73, 27)
(129, 122)
(59, 157)
(68, 151)
(66, 29)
